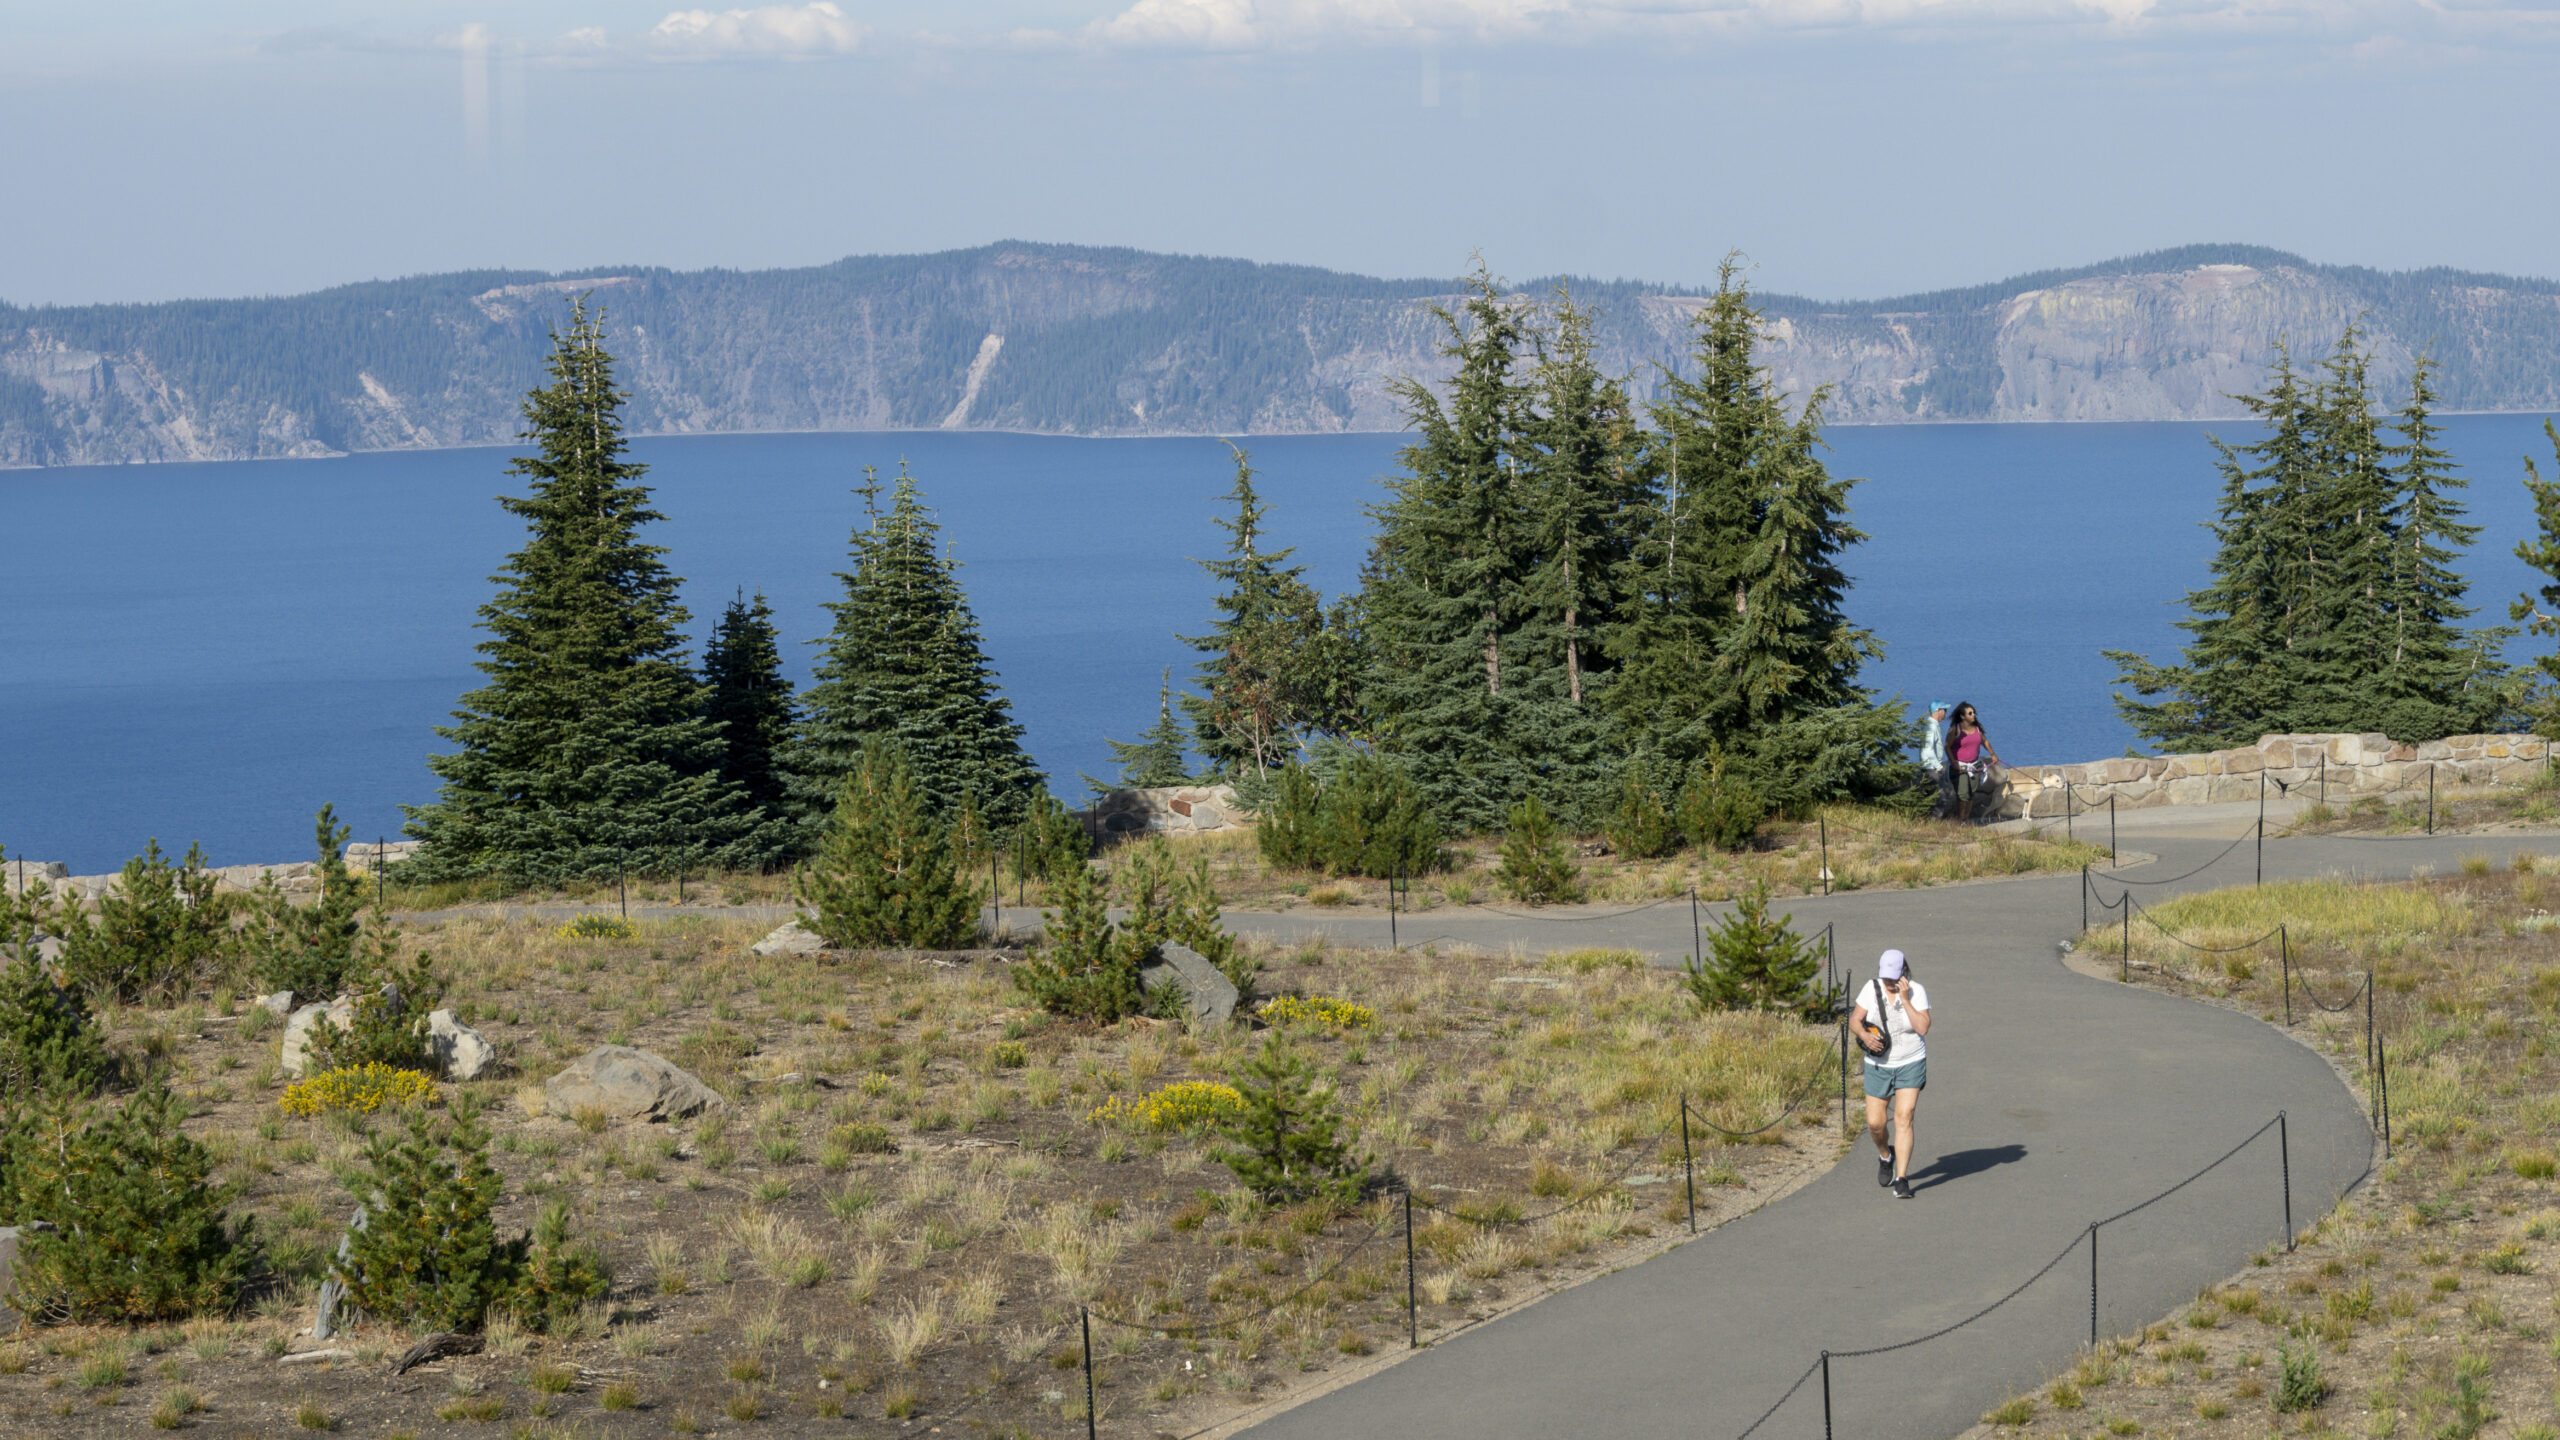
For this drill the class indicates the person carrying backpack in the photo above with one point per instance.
(1970, 758)
(1891, 1023)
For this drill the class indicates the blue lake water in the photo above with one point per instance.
(208, 652)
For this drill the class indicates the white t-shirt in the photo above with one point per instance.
(1908, 1045)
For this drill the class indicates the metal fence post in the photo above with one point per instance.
(1412, 1325)
(2124, 952)
(381, 874)
(2084, 899)
(2284, 1156)
(2382, 1068)
(622, 881)
(1393, 943)
(2112, 856)
(1826, 1395)
(1697, 944)
(2093, 1284)
(1688, 1164)
(2431, 797)
(2261, 877)
(2066, 811)
(1844, 1069)
(1086, 1316)
(1824, 821)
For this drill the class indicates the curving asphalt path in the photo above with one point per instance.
(2056, 1100)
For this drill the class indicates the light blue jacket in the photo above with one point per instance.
(1933, 750)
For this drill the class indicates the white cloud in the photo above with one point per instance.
(818, 28)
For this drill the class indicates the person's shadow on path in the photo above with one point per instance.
(1963, 1163)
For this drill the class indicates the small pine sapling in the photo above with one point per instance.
(142, 1230)
(885, 875)
(156, 928)
(1084, 968)
(1641, 828)
(1290, 830)
(390, 1005)
(1536, 869)
(1057, 839)
(1719, 811)
(1755, 962)
(1372, 821)
(311, 950)
(1286, 1145)
(47, 1040)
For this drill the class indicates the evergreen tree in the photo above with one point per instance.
(1755, 962)
(1642, 827)
(1580, 433)
(1536, 869)
(587, 752)
(2542, 552)
(746, 694)
(884, 875)
(904, 663)
(309, 949)
(1466, 679)
(1083, 967)
(157, 929)
(48, 1040)
(1286, 1145)
(1156, 759)
(1278, 667)
(2334, 600)
(142, 1230)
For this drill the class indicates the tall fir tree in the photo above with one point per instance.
(749, 698)
(2334, 602)
(1462, 680)
(904, 663)
(587, 751)
(1581, 435)
(1277, 666)
(2538, 610)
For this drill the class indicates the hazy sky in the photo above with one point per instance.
(162, 148)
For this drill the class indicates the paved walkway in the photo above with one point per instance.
(2055, 1100)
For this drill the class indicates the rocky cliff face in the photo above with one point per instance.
(1077, 341)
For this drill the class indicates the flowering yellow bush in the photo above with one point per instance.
(361, 1088)
(595, 927)
(1178, 1106)
(1321, 1010)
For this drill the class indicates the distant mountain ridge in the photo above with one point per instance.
(1074, 340)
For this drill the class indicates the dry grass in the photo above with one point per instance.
(946, 1266)
(2427, 1302)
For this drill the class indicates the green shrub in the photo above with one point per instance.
(1719, 812)
(1641, 827)
(1536, 869)
(1082, 967)
(391, 1001)
(1289, 831)
(2299, 1385)
(1286, 1145)
(141, 1228)
(1754, 962)
(1056, 839)
(428, 1256)
(311, 950)
(158, 929)
(1372, 821)
(596, 927)
(1170, 903)
(47, 1040)
(885, 875)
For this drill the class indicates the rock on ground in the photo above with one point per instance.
(460, 1052)
(280, 1004)
(792, 939)
(1211, 994)
(340, 1012)
(9, 1269)
(627, 1084)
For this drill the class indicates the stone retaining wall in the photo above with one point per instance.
(2343, 767)
(1166, 810)
(298, 877)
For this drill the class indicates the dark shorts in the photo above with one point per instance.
(1883, 1080)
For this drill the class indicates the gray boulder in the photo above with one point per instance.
(280, 1004)
(460, 1052)
(9, 1269)
(792, 939)
(298, 1030)
(627, 1084)
(1210, 994)
(334, 1313)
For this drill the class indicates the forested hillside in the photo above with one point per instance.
(1073, 340)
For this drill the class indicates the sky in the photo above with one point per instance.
(1850, 148)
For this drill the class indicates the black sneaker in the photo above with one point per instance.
(1902, 1189)
(1884, 1169)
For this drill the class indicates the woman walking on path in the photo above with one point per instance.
(1970, 757)
(1891, 1021)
